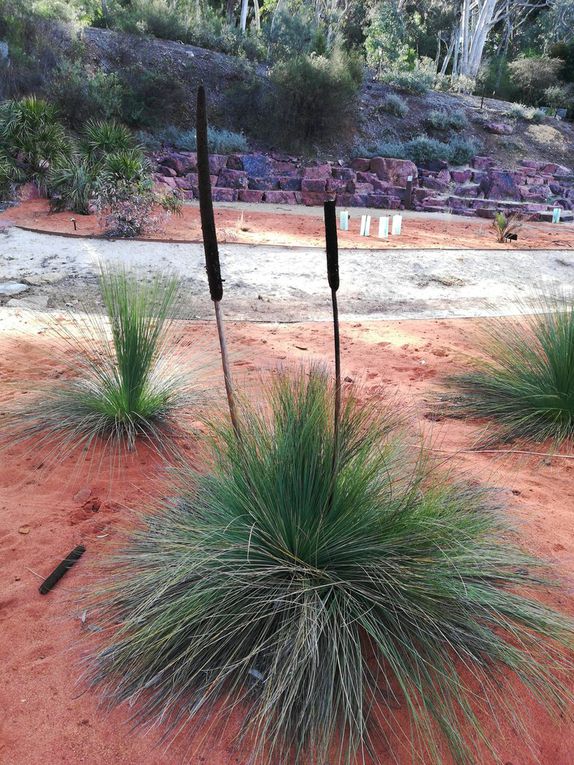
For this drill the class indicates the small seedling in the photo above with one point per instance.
(507, 227)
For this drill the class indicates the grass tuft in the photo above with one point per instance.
(315, 606)
(526, 384)
(125, 383)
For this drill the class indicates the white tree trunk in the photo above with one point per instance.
(243, 17)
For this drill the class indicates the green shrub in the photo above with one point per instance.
(394, 104)
(154, 98)
(394, 149)
(462, 149)
(314, 99)
(81, 95)
(417, 82)
(311, 602)
(125, 385)
(31, 135)
(526, 384)
(442, 119)
(100, 138)
(71, 184)
(423, 149)
(533, 75)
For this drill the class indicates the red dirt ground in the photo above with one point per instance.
(293, 227)
(45, 510)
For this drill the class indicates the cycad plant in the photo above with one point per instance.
(103, 137)
(316, 605)
(71, 183)
(125, 383)
(525, 385)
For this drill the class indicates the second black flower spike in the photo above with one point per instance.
(206, 203)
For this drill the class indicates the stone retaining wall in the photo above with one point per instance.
(533, 189)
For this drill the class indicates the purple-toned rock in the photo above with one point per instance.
(395, 170)
(351, 200)
(166, 170)
(289, 183)
(257, 165)
(461, 176)
(555, 188)
(360, 164)
(383, 201)
(216, 163)
(313, 184)
(179, 162)
(337, 184)
(363, 177)
(500, 184)
(561, 170)
(235, 162)
(344, 173)
(169, 181)
(232, 179)
(382, 185)
(444, 175)
(250, 195)
(482, 163)
(280, 197)
(184, 183)
(312, 198)
(467, 190)
(529, 163)
(224, 195)
(263, 184)
(434, 183)
(317, 171)
(499, 128)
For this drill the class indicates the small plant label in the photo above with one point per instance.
(556, 215)
(365, 225)
(397, 225)
(344, 220)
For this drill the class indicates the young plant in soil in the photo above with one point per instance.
(124, 382)
(328, 611)
(506, 227)
(526, 383)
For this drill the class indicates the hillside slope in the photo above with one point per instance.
(552, 140)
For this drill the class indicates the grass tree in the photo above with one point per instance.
(324, 583)
(525, 385)
(124, 382)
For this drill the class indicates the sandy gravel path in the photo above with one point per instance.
(287, 284)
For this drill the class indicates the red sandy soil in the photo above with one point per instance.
(46, 509)
(295, 227)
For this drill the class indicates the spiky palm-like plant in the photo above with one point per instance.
(125, 381)
(71, 183)
(313, 605)
(103, 137)
(526, 383)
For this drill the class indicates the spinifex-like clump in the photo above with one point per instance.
(124, 379)
(526, 384)
(328, 611)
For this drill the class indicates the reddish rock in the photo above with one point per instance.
(561, 170)
(263, 184)
(167, 181)
(180, 162)
(257, 165)
(313, 184)
(461, 176)
(232, 179)
(216, 163)
(381, 185)
(344, 173)
(499, 128)
(289, 183)
(395, 170)
(312, 198)
(224, 195)
(235, 162)
(166, 170)
(280, 197)
(351, 200)
(467, 190)
(317, 171)
(500, 184)
(250, 195)
(434, 183)
(360, 164)
(482, 163)
(383, 201)
(185, 183)
(444, 175)
(363, 177)
(337, 184)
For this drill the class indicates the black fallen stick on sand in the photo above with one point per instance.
(210, 247)
(332, 247)
(61, 569)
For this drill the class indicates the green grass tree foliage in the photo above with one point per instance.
(526, 384)
(125, 380)
(314, 604)
(32, 136)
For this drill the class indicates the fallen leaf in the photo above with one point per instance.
(24, 530)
